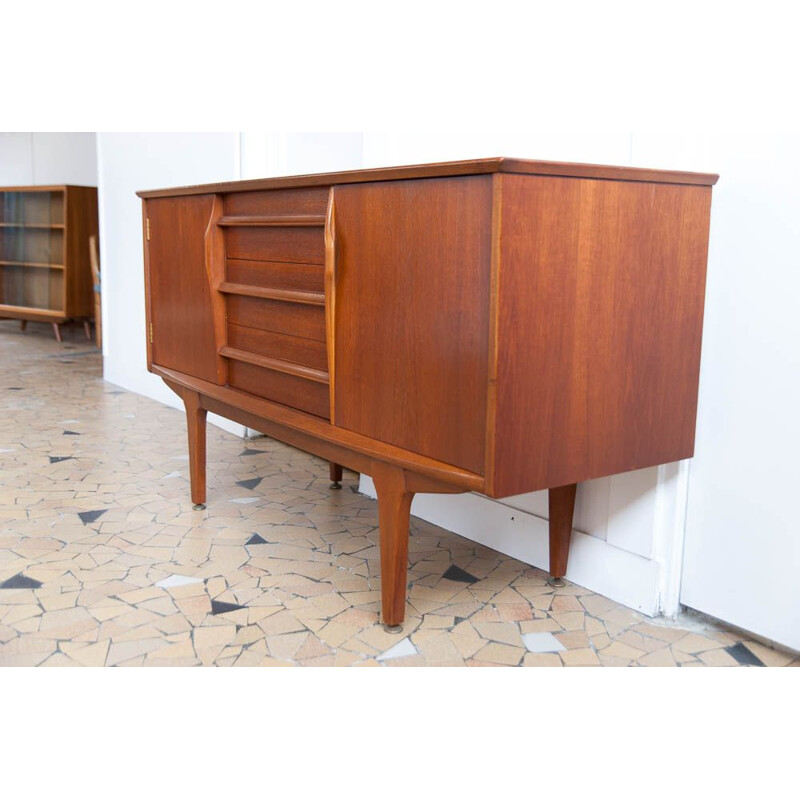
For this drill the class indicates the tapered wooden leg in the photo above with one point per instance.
(87, 329)
(336, 476)
(23, 323)
(196, 426)
(57, 331)
(562, 506)
(394, 508)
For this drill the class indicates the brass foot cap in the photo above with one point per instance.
(393, 628)
(556, 583)
(199, 507)
(336, 485)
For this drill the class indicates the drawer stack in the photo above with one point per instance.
(274, 286)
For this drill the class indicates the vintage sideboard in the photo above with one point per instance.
(498, 326)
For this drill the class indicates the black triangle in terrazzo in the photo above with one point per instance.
(56, 459)
(455, 573)
(91, 516)
(250, 483)
(256, 539)
(744, 656)
(218, 607)
(458, 620)
(20, 581)
(71, 433)
(250, 452)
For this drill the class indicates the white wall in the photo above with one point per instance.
(128, 162)
(742, 547)
(265, 155)
(388, 149)
(42, 159)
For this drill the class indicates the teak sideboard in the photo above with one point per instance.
(499, 326)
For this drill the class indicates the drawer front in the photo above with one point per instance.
(277, 275)
(297, 245)
(278, 317)
(279, 201)
(295, 349)
(288, 390)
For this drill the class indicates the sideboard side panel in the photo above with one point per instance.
(412, 315)
(178, 282)
(600, 319)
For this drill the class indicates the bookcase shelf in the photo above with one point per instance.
(29, 225)
(30, 264)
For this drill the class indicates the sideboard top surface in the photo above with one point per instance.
(482, 166)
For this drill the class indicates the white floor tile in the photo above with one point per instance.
(542, 643)
(177, 580)
(402, 648)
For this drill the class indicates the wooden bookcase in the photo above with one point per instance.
(45, 270)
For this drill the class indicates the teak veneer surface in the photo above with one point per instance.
(413, 308)
(180, 293)
(600, 316)
(499, 325)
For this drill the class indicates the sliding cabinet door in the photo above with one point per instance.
(412, 275)
(178, 282)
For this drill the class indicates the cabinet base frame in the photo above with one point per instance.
(395, 486)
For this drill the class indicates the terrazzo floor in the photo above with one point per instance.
(103, 561)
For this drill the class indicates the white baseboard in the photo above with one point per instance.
(149, 385)
(623, 576)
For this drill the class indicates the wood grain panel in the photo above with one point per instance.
(298, 245)
(308, 352)
(277, 275)
(280, 201)
(180, 296)
(288, 390)
(412, 315)
(276, 316)
(81, 221)
(599, 323)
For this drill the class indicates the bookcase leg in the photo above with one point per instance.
(196, 428)
(394, 508)
(562, 507)
(87, 329)
(336, 476)
(23, 323)
(57, 331)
